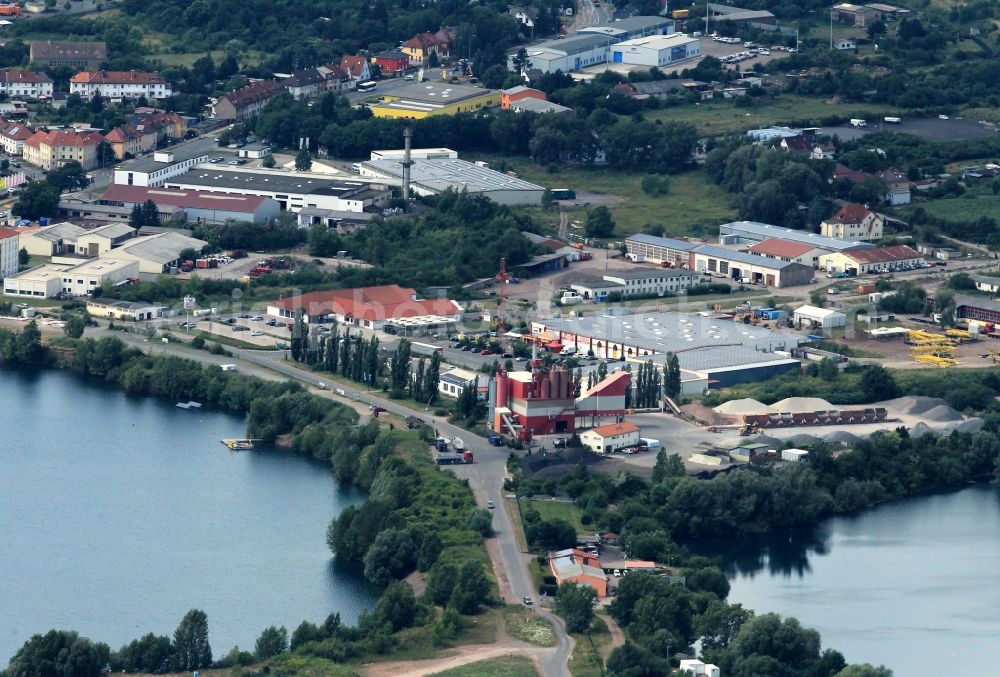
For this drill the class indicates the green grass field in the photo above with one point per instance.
(508, 666)
(694, 205)
(968, 207)
(725, 117)
(558, 509)
(529, 626)
(591, 651)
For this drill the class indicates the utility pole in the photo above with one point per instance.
(503, 277)
(831, 29)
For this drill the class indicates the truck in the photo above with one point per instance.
(458, 443)
(563, 194)
(892, 121)
(441, 444)
(449, 458)
(868, 288)
(858, 122)
(495, 440)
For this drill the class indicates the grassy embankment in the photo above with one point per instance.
(507, 666)
(694, 205)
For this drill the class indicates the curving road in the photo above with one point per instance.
(485, 476)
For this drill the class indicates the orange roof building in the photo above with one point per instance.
(53, 149)
(787, 250)
(605, 439)
(576, 566)
(120, 85)
(369, 307)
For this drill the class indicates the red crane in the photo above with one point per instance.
(503, 277)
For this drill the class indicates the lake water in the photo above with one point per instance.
(118, 514)
(914, 585)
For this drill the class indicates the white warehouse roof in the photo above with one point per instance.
(813, 312)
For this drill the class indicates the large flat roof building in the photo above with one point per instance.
(154, 171)
(157, 253)
(197, 206)
(292, 190)
(423, 99)
(567, 55)
(713, 350)
(656, 50)
(435, 175)
(752, 232)
(633, 27)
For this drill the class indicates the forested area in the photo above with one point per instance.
(416, 517)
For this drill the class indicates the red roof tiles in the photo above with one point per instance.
(775, 246)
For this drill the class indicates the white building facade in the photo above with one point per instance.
(656, 50)
(9, 248)
(120, 85)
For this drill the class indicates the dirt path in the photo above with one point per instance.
(463, 656)
(617, 636)
(500, 572)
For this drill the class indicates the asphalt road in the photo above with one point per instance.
(485, 476)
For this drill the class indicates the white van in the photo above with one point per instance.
(567, 351)
(227, 367)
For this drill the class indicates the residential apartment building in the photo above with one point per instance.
(120, 85)
(82, 55)
(854, 222)
(52, 149)
(9, 249)
(247, 101)
(130, 140)
(22, 83)
(305, 84)
(337, 79)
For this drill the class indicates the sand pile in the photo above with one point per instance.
(972, 425)
(942, 413)
(744, 406)
(802, 405)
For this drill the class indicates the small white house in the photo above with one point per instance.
(845, 44)
(695, 667)
(793, 455)
(820, 318)
(454, 382)
(607, 438)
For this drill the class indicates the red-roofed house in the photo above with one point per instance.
(357, 67)
(607, 438)
(120, 85)
(337, 79)
(130, 139)
(13, 135)
(369, 307)
(9, 249)
(871, 260)
(420, 47)
(786, 250)
(853, 222)
(32, 84)
(843, 172)
(52, 149)
(247, 101)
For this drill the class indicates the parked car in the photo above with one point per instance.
(528, 601)
(490, 505)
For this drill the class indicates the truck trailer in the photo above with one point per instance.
(450, 458)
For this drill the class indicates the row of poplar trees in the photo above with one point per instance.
(361, 360)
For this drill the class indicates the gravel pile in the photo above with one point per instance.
(802, 405)
(913, 405)
(942, 413)
(744, 406)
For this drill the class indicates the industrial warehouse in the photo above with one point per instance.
(713, 350)
(423, 99)
(432, 174)
(291, 191)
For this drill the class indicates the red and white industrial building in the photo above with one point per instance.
(541, 402)
(371, 308)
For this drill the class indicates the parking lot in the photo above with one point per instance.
(722, 50)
